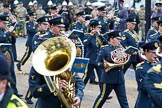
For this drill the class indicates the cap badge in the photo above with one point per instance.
(156, 44)
(46, 19)
(7, 18)
(62, 20)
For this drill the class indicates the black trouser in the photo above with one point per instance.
(91, 68)
(26, 55)
(28, 95)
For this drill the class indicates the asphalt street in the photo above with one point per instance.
(90, 91)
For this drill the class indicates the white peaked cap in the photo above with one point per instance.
(49, 2)
(30, 3)
(35, 1)
(126, 5)
(16, 2)
(88, 3)
(64, 3)
(70, 4)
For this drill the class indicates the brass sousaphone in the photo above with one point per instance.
(53, 58)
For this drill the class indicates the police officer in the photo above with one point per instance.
(7, 98)
(112, 79)
(79, 25)
(130, 38)
(93, 44)
(37, 84)
(5, 38)
(31, 27)
(149, 49)
(154, 28)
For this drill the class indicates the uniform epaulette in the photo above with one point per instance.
(151, 36)
(87, 33)
(126, 30)
(156, 69)
(26, 21)
(104, 46)
(139, 64)
(38, 33)
(42, 35)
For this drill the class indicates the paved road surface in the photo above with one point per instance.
(90, 92)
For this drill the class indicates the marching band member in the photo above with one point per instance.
(112, 79)
(130, 38)
(149, 49)
(37, 84)
(43, 27)
(153, 81)
(31, 27)
(79, 25)
(156, 35)
(154, 28)
(102, 19)
(93, 44)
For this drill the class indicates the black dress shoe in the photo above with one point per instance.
(18, 66)
(19, 95)
(94, 82)
(17, 60)
(28, 101)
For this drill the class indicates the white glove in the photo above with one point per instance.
(11, 29)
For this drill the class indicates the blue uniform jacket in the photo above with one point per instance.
(38, 86)
(31, 28)
(113, 76)
(153, 84)
(79, 26)
(92, 47)
(143, 100)
(40, 90)
(130, 38)
(4, 36)
(38, 39)
(104, 23)
(150, 34)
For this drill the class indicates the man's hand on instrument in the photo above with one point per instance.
(62, 84)
(76, 101)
